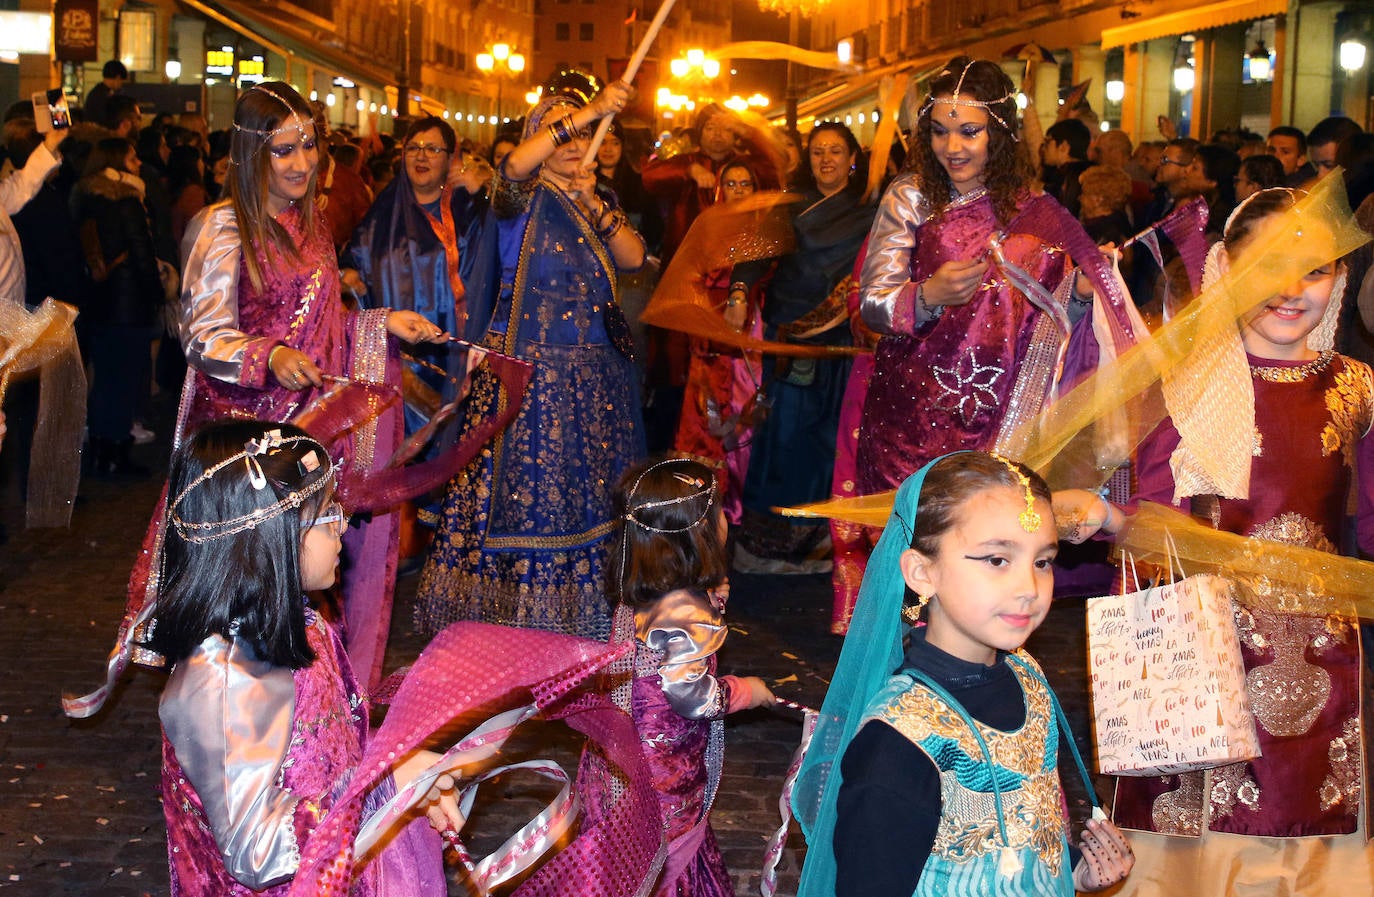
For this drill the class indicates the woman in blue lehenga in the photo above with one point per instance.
(523, 529)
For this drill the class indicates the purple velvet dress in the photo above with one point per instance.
(1312, 422)
(270, 749)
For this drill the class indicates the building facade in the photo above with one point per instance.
(1198, 63)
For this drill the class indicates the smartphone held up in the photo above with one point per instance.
(50, 112)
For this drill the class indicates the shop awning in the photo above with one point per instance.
(1199, 18)
(260, 24)
(863, 89)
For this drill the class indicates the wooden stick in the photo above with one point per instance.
(589, 160)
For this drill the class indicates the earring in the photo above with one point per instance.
(912, 612)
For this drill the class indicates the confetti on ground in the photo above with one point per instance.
(36, 805)
(789, 656)
(14, 878)
(65, 864)
(102, 821)
(106, 788)
(38, 839)
(59, 797)
(790, 677)
(4, 717)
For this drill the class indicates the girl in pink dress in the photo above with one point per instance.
(263, 722)
(669, 576)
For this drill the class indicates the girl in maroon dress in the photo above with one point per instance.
(669, 575)
(1268, 427)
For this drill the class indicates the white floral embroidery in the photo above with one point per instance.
(967, 387)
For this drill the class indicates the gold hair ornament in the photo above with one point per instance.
(1029, 519)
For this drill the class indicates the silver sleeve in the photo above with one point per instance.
(887, 295)
(689, 631)
(210, 333)
(228, 717)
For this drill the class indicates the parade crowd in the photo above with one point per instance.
(429, 355)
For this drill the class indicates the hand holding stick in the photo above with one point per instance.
(589, 160)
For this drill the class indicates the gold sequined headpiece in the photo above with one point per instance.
(1029, 518)
(292, 121)
(271, 442)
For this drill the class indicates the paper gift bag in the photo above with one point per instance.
(1168, 685)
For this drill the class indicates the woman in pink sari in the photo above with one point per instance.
(264, 330)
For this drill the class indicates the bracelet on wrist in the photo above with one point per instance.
(929, 312)
(618, 220)
(561, 131)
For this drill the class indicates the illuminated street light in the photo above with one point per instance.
(502, 62)
(1259, 63)
(1352, 55)
(1116, 91)
(1184, 78)
(758, 100)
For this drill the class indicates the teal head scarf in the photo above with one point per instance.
(872, 653)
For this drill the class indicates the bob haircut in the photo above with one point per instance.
(644, 564)
(261, 110)
(1008, 168)
(432, 123)
(950, 484)
(248, 582)
(108, 152)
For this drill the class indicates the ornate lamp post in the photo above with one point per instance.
(794, 10)
(501, 61)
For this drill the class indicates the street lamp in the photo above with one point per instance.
(1260, 70)
(1352, 54)
(504, 63)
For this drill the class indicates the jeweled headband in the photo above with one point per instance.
(292, 121)
(271, 442)
(703, 487)
(958, 99)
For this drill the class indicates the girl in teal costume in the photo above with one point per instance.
(934, 769)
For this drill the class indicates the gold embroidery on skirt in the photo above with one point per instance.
(1232, 785)
(1179, 812)
(1342, 785)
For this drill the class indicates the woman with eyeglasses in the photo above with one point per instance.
(264, 329)
(521, 537)
(724, 384)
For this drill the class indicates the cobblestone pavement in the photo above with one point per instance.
(79, 812)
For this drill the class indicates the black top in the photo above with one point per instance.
(889, 804)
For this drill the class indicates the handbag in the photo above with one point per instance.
(1166, 678)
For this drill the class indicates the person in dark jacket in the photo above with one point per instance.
(117, 242)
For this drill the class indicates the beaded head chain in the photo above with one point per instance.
(271, 442)
(302, 125)
(958, 98)
(703, 488)
(1029, 518)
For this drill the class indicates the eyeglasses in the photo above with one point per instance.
(739, 185)
(1181, 164)
(432, 150)
(331, 515)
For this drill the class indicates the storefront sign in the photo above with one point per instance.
(76, 30)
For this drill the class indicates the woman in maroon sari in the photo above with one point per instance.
(968, 280)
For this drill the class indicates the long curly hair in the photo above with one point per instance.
(1008, 170)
